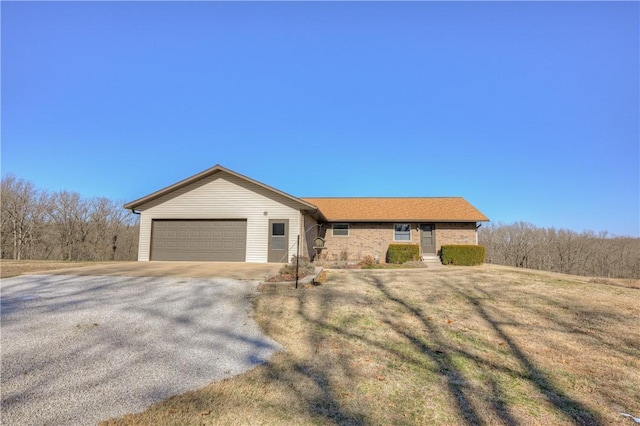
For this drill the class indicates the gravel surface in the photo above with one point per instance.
(77, 350)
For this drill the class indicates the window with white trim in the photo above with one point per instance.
(402, 232)
(340, 229)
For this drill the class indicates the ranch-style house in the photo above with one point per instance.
(221, 215)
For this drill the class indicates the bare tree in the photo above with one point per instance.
(112, 226)
(22, 209)
(561, 250)
(63, 225)
(69, 216)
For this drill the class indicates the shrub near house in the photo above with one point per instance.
(463, 255)
(402, 253)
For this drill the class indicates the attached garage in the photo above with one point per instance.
(220, 215)
(199, 240)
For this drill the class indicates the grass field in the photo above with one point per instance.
(481, 345)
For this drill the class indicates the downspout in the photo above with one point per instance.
(477, 227)
(133, 210)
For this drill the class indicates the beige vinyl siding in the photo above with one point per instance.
(223, 196)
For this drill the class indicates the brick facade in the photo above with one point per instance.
(373, 239)
(455, 233)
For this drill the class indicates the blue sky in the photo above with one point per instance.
(528, 110)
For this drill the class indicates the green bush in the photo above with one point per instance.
(464, 255)
(401, 253)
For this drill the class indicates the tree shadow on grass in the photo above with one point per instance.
(326, 404)
(570, 408)
(440, 351)
(329, 408)
(433, 344)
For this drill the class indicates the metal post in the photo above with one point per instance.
(297, 259)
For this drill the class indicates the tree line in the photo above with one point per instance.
(561, 250)
(42, 225)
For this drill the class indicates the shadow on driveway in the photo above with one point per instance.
(80, 349)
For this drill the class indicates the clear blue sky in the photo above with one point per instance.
(528, 110)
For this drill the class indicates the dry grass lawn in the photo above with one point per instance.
(482, 345)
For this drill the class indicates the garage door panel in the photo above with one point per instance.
(202, 240)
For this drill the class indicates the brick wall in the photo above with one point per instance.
(373, 239)
(455, 233)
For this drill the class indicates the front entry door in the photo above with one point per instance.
(428, 238)
(278, 240)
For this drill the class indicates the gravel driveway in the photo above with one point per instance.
(80, 349)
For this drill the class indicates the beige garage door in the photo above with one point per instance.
(205, 240)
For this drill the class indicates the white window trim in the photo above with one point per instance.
(340, 236)
(410, 233)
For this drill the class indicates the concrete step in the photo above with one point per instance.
(432, 261)
(430, 257)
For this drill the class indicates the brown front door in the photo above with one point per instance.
(278, 241)
(428, 238)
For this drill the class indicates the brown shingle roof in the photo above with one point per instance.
(437, 209)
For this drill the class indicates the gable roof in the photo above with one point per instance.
(206, 173)
(368, 209)
(435, 209)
